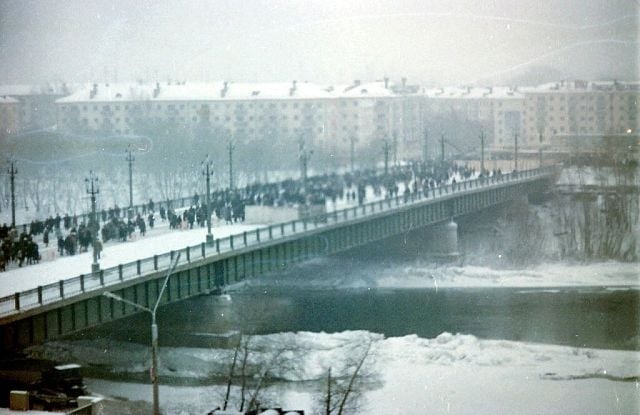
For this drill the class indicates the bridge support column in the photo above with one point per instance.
(443, 239)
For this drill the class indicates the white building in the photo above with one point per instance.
(332, 117)
(327, 117)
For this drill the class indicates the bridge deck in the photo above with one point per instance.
(31, 290)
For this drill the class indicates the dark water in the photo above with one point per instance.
(580, 317)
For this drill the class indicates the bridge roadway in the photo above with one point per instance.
(49, 311)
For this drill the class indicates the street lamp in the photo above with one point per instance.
(230, 147)
(12, 174)
(482, 153)
(540, 152)
(130, 159)
(353, 140)
(515, 152)
(154, 333)
(395, 148)
(207, 167)
(425, 146)
(304, 156)
(386, 148)
(93, 188)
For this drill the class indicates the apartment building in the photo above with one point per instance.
(326, 117)
(8, 116)
(330, 118)
(580, 108)
(36, 109)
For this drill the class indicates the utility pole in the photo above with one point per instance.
(304, 156)
(207, 171)
(482, 152)
(386, 147)
(425, 146)
(12, 174)
(442, 147)
(130, 159)
(515, 152)
(230, 147)
(92, 186)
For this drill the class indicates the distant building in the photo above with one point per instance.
(332, 117)
(327, 117)
(8, 116)
(580, 108)
(36, 104)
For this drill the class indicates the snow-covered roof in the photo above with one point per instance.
(36, 89)
(577, 86)
(196, 91)
(8, 100)
(359, 90)
(496, 92)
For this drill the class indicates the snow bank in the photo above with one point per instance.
(451, 373)
(323, 273)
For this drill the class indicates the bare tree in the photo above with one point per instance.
(344, 392)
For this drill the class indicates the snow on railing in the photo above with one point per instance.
(75, 286)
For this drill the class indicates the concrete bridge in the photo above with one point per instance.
(76, 303)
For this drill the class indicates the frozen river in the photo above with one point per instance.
(441, 343)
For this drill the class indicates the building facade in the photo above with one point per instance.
(333, 118)
(8, 116)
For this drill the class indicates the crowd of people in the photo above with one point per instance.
(227, 205)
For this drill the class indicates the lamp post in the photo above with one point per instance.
(130, 159)
(207, 167)
(540, 152)
(395, 148)
(304, 156)
(482, 152)
(154, 333)
(93, 188)
(425, 146)
(353, 140)
(515, 152)
(442, 147)
(386, 148)
(12, 175)
(230, 147)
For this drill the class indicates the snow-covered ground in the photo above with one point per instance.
(449, 374)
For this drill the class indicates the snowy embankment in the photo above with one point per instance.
(452, 373)
(422, 274)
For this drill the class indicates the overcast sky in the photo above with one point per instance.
(428, 41)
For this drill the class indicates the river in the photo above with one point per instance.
(536, 335)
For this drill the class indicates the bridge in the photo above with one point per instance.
(75, 303)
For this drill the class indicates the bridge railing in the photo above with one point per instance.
(50, 293)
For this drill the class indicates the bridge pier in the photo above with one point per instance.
(442, 240)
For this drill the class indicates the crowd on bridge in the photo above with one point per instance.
(228, 206)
